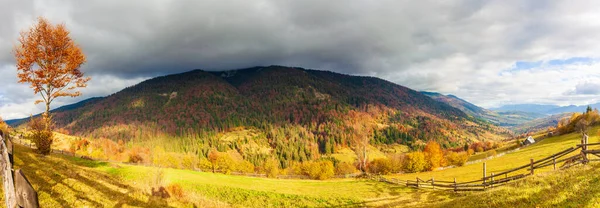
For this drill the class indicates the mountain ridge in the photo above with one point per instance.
(294, 113)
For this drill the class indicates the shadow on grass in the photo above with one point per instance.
(57, 178)
(400, 196)
(577, 188)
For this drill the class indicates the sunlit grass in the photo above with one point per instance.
(575, 187)
(265, 192)
(539, 150)
(65, 181)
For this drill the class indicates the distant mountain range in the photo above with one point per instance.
(540, 123)
(504, 119)
(520, 118)
(16, 122)
(545, 109)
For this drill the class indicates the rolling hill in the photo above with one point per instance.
(540, 123)
(507, 118)
(546, 109)
(297, 114)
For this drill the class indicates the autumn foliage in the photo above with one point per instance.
(49, 60)
(3, 127)
(414, 162)
(434, 154)
(41, 137)
(457, 158)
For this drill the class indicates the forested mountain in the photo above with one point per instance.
(502, 118)
(540, 123)
(546, 109)
(299, 113)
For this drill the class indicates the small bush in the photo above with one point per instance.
(176, 191)
(457, 158)
(189, 161)
(492, 153)
(205, 164)
(245, 167)
(381, 166)
(225, 163)
(41, 137)
(4, 128)
(271, 168)
(345, 168)
(319, 170)
(139, 155)
(397, 161)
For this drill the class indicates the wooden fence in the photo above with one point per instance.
(559, 160)
(18, 192)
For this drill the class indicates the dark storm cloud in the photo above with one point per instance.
(463, 47)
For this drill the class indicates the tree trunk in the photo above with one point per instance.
(364, 158)
(46, 117)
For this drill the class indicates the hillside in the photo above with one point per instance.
(541, 149)
(66, 181)
(500, 118)
(298, 114)
(540, 123)
(546, 109)
(17, 122)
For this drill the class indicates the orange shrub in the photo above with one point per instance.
(344, 168)
(380, 166)
(138, 155)
(176, 191)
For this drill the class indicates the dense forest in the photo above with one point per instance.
(298, 114)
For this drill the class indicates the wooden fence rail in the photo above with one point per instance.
(18, 192)
(562, 158)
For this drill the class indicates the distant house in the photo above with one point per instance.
(529, 141)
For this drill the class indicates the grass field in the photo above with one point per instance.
(574, 187)
(539, 150)
(64, 181)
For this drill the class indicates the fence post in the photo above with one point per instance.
(531, 165)
(492, 183)
(454, 184)
(554, 162)
(417, 182)
(484, 174)
(7, 179)
(432, 184)
(584, 148)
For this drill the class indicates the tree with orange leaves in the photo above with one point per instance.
(434, 155)
(49, 60)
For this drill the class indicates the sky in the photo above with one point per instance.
(490, 53)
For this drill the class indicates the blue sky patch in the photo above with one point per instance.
(523, 65)
(573, 60)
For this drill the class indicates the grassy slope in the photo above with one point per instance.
(263, 192)
(536, 151)
(574, 187)
(64, 181)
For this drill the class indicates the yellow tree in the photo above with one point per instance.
(49, 60)
(434, 154)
